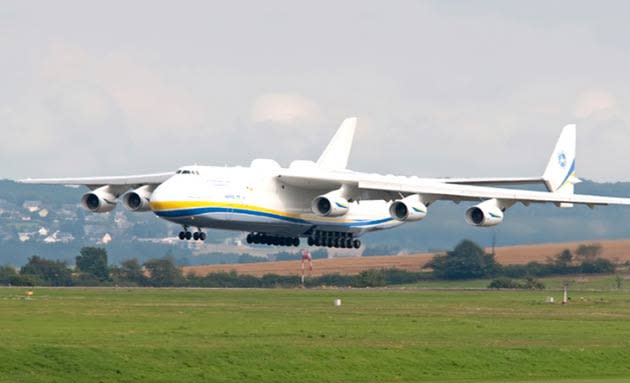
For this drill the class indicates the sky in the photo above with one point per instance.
(445, 88)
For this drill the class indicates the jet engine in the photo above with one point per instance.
(487, 213)
(139, 199)
(330, 205)
(100, 200)
(408, 209)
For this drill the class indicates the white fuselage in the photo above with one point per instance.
(252, 199)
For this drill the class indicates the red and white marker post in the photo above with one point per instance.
(306, 256)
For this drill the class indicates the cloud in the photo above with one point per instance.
(594, 101)
(283, 108)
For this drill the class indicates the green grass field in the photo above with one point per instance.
(389, 335)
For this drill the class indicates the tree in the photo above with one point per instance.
(93, 261)
(564, 258)
(54, 273)
(466, 261)
(588, 253)
(130, 271)
(163, 273)
(562, 263)
(7, 275)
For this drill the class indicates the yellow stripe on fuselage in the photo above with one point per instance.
(182, 205)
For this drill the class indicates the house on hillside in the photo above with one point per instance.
(32, 206)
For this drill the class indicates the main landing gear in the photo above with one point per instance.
(318, 238)
(187, 235)
(266, 239)
(333, 239)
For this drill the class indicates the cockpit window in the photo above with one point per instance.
(195, 172)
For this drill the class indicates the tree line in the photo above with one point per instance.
(92, 269)
(469, 261)
(466, 261)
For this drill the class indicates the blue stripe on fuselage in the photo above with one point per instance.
(181, 213)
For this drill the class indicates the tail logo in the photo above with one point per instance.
(562, 160)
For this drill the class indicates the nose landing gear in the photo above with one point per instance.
(187, 235)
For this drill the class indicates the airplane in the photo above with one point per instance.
(322, 201)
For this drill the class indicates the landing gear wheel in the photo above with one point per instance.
(349, 243)
(188, 235)
(296, 241)
(310, 241)
(182, 235)
(249, 238)
(317, 242)
(195, 236)
(202, 236)
(356, 243)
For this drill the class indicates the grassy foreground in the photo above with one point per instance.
(171, 335)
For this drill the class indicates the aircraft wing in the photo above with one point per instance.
(393, 187)
(145, 179)
(472, 193)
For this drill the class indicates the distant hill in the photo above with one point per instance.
(47, 221)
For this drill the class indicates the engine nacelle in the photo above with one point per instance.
(487, 213)
(139, 199)
(100, 200)
(330, 205)
(408, 209)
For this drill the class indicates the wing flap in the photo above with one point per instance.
(493, 181)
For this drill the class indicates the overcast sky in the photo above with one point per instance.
(440, 88)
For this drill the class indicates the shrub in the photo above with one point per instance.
(599, 265)
(533, 284)
(504, 283)
(370, 278)
(507, 283)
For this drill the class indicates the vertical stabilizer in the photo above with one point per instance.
(338, 150)
(559, 175)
